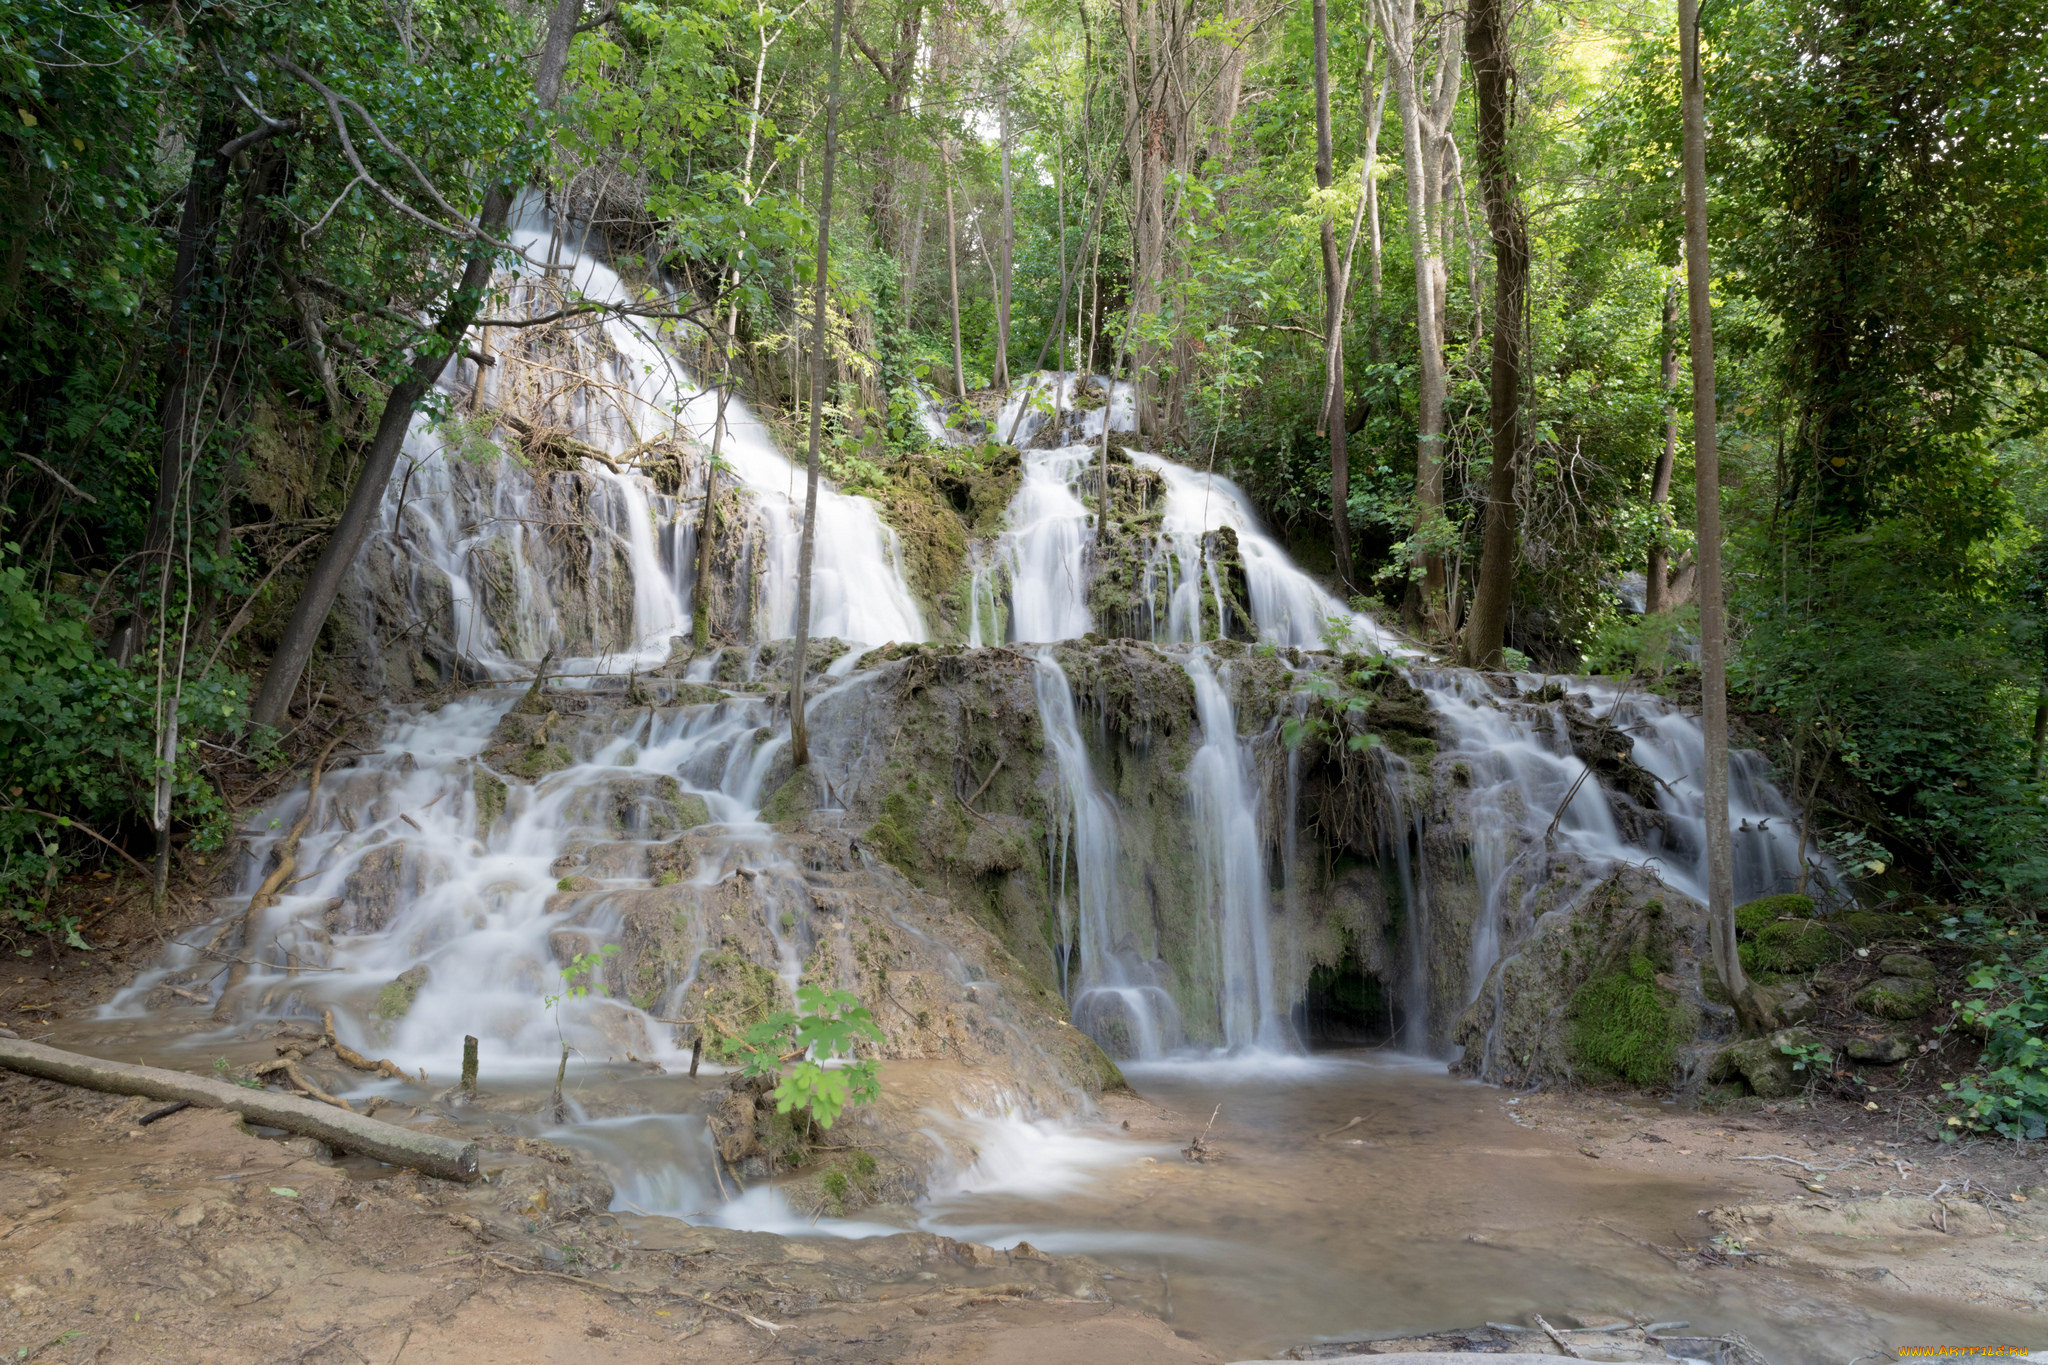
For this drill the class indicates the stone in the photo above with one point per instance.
(1906, 964)
(1882, 1050)
(396, 998)
(1897, 997)
(1765, 1062)
(1788, 1003)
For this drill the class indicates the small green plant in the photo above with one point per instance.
(669, 878)
(1811, 1058)
(579, 979)
(824, 1026)
(2008, 1095)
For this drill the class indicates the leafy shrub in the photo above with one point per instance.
(1653, 645)
(2009, 1008)
(77, 743)
(1626, 1025)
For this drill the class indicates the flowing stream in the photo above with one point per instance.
(428, 876)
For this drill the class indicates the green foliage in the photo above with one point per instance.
(1758, 915)
(77, 742)
(2007, 1007)
(1647, 645)
(580, 977)
(1812, 1058)
(1624, 1024)
(824, 1026)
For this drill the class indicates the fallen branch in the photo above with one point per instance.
(382, 1066)
(441, 1157)
(1555, 1336)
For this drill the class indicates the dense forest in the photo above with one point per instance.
(1415, 276)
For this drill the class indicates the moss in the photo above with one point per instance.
(736, 994)
(1624, 1024)
(694, 694)
(668, 878)
(394, 1001)
(490, 801)
(893, 837)
(1898, 997)
(1793, 947)
(793, 800)
(1751, 918)
(1875, 926)
(537, 763)
(689, 809)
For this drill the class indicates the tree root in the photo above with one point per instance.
(384, 1067)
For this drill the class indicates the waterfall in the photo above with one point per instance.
(1115, 996)
(1227, 802)
(1046, 548)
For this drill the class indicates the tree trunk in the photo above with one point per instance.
(700, 624)
(799, 737)
(1707, 466)
(953, 277)
(441, 1157)
(1486, 39)
(1332, 418)
(1005, 250)
(323, 584)
(1656, 578)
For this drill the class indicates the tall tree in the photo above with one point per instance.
(1005, 247)
(799, 655)
(1486, 40)
(1332, 419)
(1707, 475)
(323, 584)
(1424, 122)
(1656, 575)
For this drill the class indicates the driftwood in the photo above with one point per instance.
(445, 1158)
(384, 1067)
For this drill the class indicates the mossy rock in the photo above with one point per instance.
(1906, 964)
(395, 1000)
(793, 800)
(490, 801)
(1624, 1024)
(695, 694)
(1752, 918)
(538, 763)
(1877, 926)
(1898, 997)
(1792, 947)
(1766, 1063)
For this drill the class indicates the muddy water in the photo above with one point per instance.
(1436, 1210)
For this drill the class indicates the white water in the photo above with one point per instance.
(1115, 995)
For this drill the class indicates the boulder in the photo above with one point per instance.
(1882, 1049)
(1897, 997)
(1906, 964)
(1766, 1063)
(397, 995)
(1788, 1003)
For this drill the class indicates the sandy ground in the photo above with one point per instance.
(191, 1240)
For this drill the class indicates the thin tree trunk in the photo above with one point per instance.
(1486, 39)
(323, 584)
(1707, 467)
(700, 625)
(1332, 418)
(1397, 19)
(799, 737)
(1656, 585)
(1006, 250)
(953, 277)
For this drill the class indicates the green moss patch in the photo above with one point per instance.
(1624, 1024)
(1751, 918)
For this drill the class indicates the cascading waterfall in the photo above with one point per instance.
(1115, 995)
(1227, 805)
(435, 878)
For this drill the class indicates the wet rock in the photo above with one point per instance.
(546, 1181)
(1907, 965)
(1897, 997)
(1876, 926)
(384, 878)
(1882, 1050)
(566, 945)
(394, 1001)
(734, 1120)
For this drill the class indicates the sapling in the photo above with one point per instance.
(825, 1025)
(579, 979)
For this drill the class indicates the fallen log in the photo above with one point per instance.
(441, 1157)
